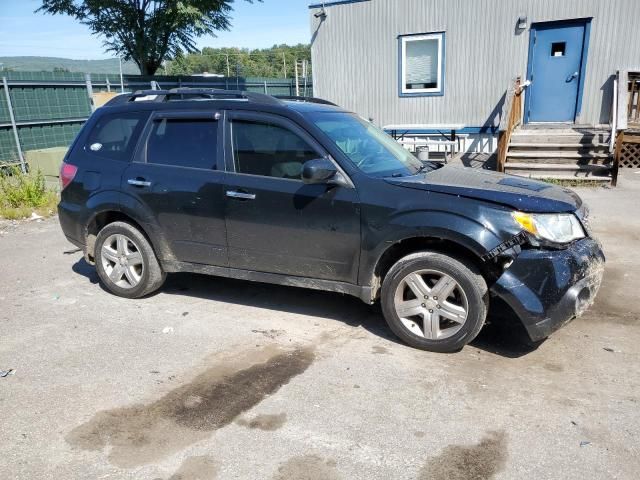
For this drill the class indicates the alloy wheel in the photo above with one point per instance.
(431, 304)
(122, 261)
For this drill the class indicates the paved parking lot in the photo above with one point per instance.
(216, 378)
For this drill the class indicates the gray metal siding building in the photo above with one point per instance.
(357, 50)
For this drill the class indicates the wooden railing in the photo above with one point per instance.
(627, 99)
(633, 106)
(625, 123)
(511, 117)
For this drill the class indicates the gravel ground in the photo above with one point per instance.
(216, 378)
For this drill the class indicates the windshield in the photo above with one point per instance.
(369, 148)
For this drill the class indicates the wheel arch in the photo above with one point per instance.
(105, 217)
(454, 247)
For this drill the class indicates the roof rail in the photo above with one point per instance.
(145, 93)
(207, 93)
(305, 99)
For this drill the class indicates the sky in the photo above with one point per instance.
(257, 25)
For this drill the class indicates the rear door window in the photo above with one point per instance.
(183, 142)
(114, 135)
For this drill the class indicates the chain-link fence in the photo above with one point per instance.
(47, 109)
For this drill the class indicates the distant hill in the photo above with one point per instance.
(49, 64)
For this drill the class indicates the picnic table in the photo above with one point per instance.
(439, 127)
(450, 139)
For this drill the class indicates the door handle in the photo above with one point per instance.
(241, 195)
(138, 182)
(572, 76)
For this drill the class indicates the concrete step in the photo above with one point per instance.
(555, 166)
(563, 130)
(563, 161)
(546, 154)
(576, 146)
(531, 136)
(552, 176)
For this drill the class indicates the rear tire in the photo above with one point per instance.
(434, 302)
(125, 261)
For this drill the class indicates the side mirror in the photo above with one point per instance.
(319, 170)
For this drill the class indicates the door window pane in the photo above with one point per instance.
(266, 149)
(558, 49)
(422, 63)
(183, 143)
(114, 136)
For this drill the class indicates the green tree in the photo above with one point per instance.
(275, 62)
(147, 31)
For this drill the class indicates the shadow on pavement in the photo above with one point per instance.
(498, 336)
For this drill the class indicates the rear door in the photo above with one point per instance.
(275, 222)
(177, 175)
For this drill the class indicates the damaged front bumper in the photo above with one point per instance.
(549, 288)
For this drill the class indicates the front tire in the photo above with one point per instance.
(125, 261)
(434, 302)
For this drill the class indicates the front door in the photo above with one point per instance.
(275, 222)
(556, 57)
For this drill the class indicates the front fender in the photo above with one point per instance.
(477, 236)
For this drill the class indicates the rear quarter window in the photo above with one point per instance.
(114, 135)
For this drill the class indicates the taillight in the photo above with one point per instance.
(67, 172)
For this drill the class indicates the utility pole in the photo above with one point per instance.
(121, 80)
(297, 82)
(284, 64)
(304, 74)
(228, 69)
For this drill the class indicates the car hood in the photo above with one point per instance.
(516, 192)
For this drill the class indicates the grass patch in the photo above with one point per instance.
(22, 194)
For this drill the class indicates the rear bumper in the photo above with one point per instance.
(548, 289)
(69, 216)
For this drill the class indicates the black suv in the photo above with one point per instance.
(300, 192)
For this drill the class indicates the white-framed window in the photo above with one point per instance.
(422, 64)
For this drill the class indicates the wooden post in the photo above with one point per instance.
(637, 117)
(616, 158)
(631, 96)
(512, 114)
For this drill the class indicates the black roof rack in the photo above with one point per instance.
(305, 99)
(205, 93)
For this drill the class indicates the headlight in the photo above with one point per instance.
(554, 227)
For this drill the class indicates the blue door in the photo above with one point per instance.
(556, 56)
